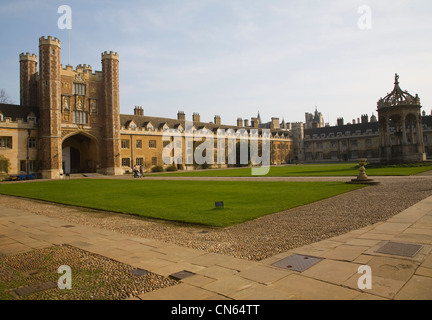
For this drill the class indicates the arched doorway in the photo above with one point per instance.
(80, 154)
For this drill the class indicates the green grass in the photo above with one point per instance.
(308, 170)
(185, 201)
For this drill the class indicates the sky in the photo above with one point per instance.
(235, 58)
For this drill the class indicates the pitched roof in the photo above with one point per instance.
(15, 111)
(347, 127)
(158, 122)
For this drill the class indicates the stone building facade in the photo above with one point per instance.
(401, 134)
(69, 121)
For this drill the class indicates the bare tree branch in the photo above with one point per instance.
(4, 97)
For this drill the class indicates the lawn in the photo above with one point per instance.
(308, 170)
(185, 201)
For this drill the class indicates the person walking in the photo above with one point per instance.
(142, 170)
(135, 171)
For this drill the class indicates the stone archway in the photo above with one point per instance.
(80, 153)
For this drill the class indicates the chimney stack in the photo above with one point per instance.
(217, 120)
(239, 122)
(196, 117)
(181, 115)
(138, 111)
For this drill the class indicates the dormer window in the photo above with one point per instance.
(31, 118)
(132, 125)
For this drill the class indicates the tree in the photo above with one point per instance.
(4, 97)
(4, 164)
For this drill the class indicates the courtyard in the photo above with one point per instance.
(237, 261)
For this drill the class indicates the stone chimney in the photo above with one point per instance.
(246, 122)
(364, 118)
(340, 121)
(196, 117)
(138, 111)
(181, 115)
(217, 120)
(239, 122)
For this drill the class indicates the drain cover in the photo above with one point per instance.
(297, 262)
(139, 272)
(23, 291)
(400, 249)
(181, 275)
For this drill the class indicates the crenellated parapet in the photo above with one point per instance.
(28, 57)
(49, 41)
(110, 55)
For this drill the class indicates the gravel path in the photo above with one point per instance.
(268, 235)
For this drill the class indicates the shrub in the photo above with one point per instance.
(157, 169)
(171, 168)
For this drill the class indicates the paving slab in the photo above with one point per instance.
(182, 291)
(261, 292)
(301, 287)
(217, 272)
(264, 274)
(209, 259)
(381, 287)
(229, 286)
(345, 252)
(393, 268)
(417, 288)
(332, 271)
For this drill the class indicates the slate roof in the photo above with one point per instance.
(158, 122)
(17, 112)
(347, 127)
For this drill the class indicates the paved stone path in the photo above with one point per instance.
(218, 276)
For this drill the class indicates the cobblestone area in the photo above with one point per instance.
(33, 276)
(263, 237)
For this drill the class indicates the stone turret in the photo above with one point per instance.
(111, 164)
(50, 107)
(28, 85)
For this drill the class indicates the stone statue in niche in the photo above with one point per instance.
(93, 106)
(65, 103)
(79, 103)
